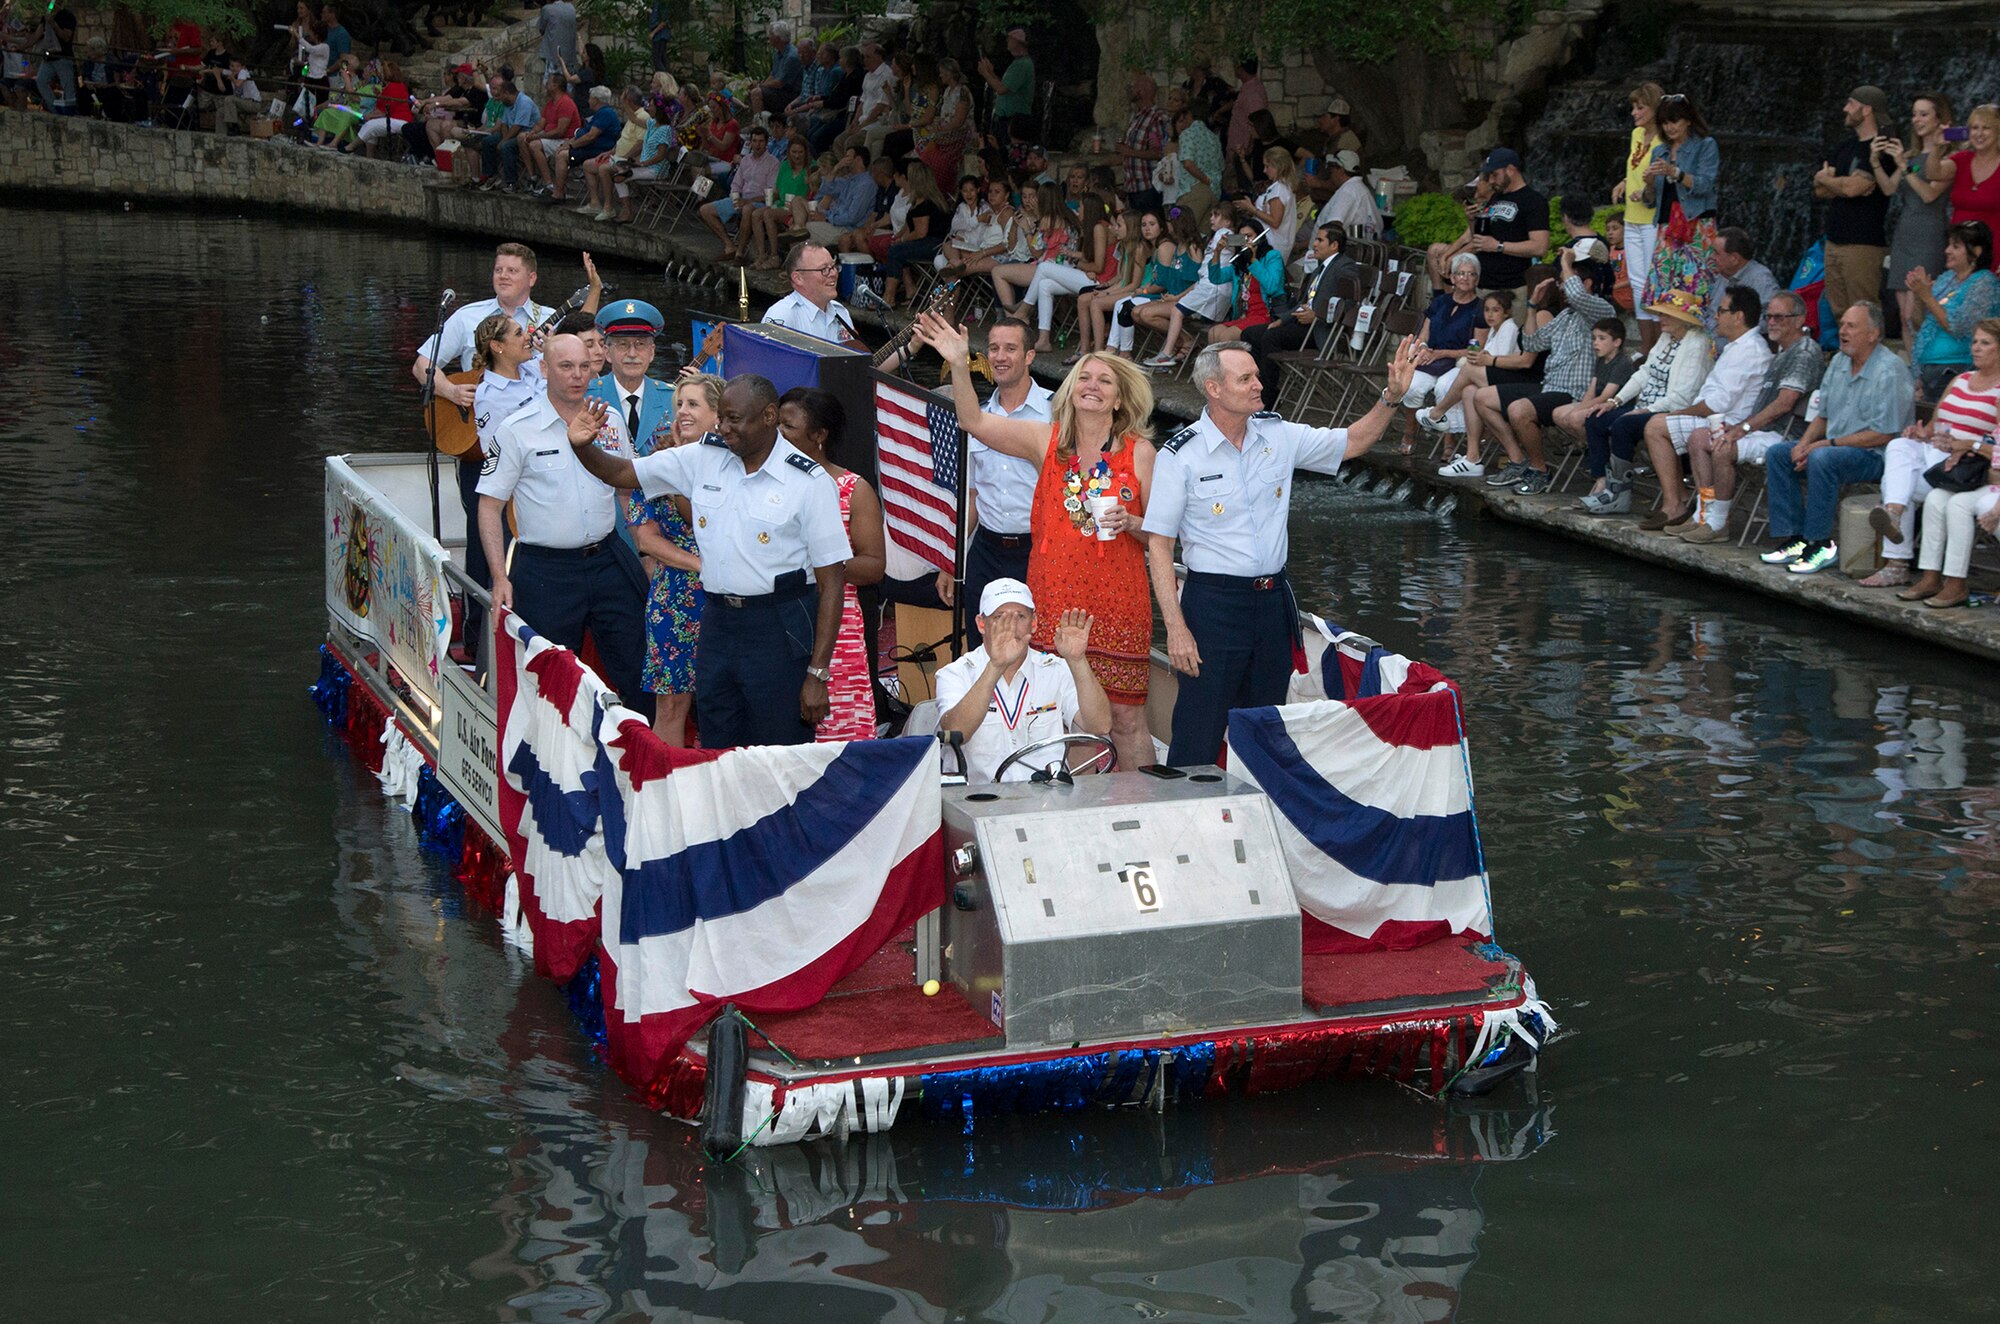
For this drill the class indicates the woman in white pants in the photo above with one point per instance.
(1641, 231)
(1951, 521)
(1968, 411)
(1085, 266)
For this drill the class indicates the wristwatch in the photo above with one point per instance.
(822, 674)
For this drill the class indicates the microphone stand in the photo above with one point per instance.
(430, 420)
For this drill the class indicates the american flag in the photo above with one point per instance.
(919, 442)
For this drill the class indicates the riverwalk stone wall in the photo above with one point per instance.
(55, 156)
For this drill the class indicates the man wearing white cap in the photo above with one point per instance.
(1004, 695)
(1352, 203)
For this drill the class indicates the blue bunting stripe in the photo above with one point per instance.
(329, 692)
(1372, 843)
(585, 995)
(564, 820)
(713, 879)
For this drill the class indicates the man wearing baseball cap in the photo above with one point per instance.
(1013, 91)
(1857, 210)
(1337, 123)
(1004, 695)
(1507, 235)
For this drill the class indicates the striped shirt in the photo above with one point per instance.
(1567, 340)
(1967, 413)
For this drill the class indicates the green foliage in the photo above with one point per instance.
(234, 17)
(1429, 218)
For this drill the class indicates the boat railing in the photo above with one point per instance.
(389, 586)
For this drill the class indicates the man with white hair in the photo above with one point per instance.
(1866, 397)
(788, 71)
(1005, 696)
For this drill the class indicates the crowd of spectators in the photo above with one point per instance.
(1207, 220)
(1729, 371)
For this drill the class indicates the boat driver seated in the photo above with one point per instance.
(1005, 696)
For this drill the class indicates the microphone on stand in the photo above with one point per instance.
(449, 297)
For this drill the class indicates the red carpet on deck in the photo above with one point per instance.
(878, 1008)
(1443, 970)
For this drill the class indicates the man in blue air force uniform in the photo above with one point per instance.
(643, 404)
(773, 563)
(1223, 486)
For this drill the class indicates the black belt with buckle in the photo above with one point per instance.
(789, 588)
(601, 545)
(1256, 583)
(1013, 542)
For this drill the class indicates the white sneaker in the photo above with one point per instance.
(1159, 361)
(1463, 467)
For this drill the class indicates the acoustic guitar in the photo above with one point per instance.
(453, 426)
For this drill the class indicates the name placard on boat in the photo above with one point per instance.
(469, 750)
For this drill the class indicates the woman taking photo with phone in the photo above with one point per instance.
(1917, 170)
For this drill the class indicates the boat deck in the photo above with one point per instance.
(878, 1016)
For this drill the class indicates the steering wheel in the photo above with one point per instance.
(1107, 753)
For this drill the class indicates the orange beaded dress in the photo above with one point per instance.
(1069, 568)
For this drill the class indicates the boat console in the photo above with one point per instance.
(1124, 904)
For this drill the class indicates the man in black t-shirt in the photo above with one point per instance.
(1508, 234)
(1857, 211)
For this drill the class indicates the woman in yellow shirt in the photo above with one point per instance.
(1640, 232)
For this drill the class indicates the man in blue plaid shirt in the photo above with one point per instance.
(1516, 412)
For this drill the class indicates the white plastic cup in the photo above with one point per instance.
(770, 197)
(1100, 506)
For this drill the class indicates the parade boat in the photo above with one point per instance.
(785, 943)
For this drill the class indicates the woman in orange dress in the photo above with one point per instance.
(1095, 462)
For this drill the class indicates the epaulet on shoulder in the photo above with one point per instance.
(1179, 439)
(805, 464)
(713, 439)
(1268, 416)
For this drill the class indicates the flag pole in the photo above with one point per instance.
(960, 614)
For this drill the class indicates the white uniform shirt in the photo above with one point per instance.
(1737, 377)
(1229, 507)
(1005, 484)
(750, 527)
(797, 312)
(497, 399)
(557, 502)
(456, 337)
(1040, 702)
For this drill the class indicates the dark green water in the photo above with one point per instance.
(259, 1066)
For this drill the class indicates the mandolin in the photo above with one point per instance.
(453, 426)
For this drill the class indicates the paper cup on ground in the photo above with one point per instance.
(1101, 506)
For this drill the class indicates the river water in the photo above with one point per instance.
(260, 1065)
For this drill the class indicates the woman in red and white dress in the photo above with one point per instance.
(814, 421)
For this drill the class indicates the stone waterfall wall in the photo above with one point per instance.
(1438, 115)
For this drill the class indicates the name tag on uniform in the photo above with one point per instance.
(1208, 478)
(543, 454)
(710, 487)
